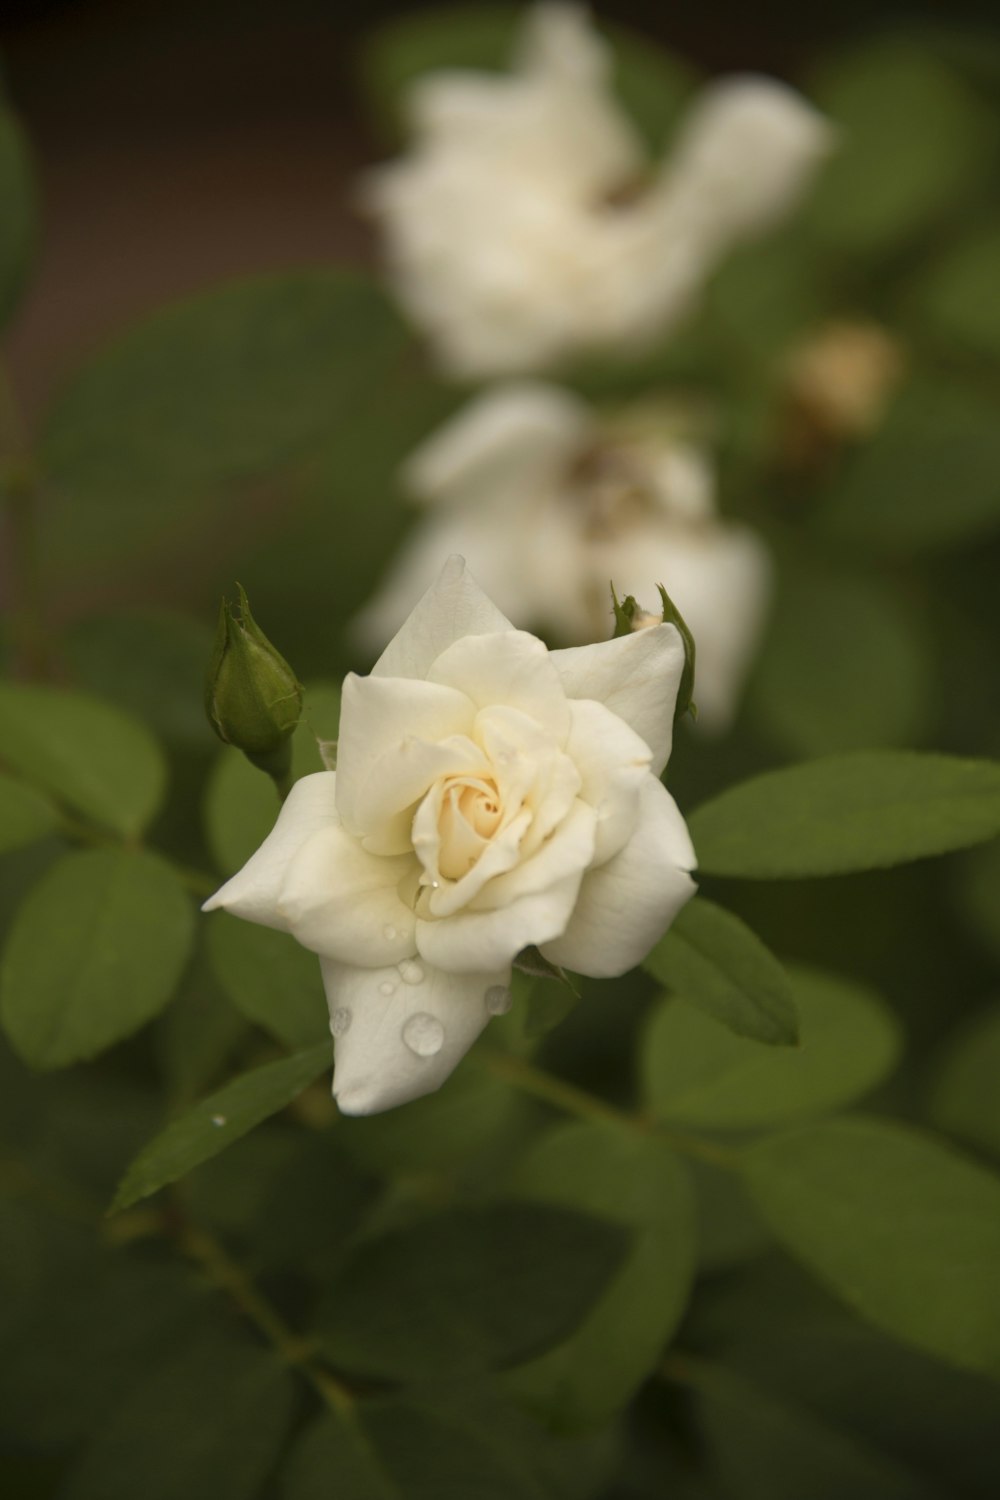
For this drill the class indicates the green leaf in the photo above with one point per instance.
(699, 1075)
(97, 949)
(219, 1120)
(914, 143)
(151, 663)
(929, 477)
(636, 1181)
(954, 299)
(713, 961)
(902, 1228)
(270, 979)
(25, 816)
(208, 1421)
(152, 446)
(398, 1449)
(845, 665)
(17, 212)
(843, 813)
(965, 1100)
(84, 753)
(240, 803)
(978, 897)
(468, 1289)
(652, 85)
(765, 1448)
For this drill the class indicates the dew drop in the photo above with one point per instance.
(411, 973)
(218, 1119)
(423, 1034)
(387, 987)
(340, 1020)
(498, 999)
(389, 933)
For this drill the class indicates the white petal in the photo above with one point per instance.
(747, 151)
(625, 906)
(454, 606)
(565, 854)
(253, 892)
(343, 903)
(374, 1011)
(559, 41)
(514, 670)
(614, 764)
(396, 736)
(491, 939)
(636, 677)
(515, 435)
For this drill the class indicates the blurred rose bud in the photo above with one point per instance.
(252, 697)
(839, 382)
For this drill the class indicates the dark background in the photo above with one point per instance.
(183, 141)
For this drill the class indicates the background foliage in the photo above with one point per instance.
(729, 1231)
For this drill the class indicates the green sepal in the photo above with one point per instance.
(252, 697)
(625, 613)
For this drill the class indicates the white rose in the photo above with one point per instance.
(489, 795)
(526, 225)
(633, 505)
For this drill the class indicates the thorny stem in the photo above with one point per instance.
(576, 1101)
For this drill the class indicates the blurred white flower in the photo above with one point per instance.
(550, 505)
(489, 796)
(525, 225)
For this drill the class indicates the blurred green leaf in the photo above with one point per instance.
(714, 962)
(765, 295)
(208, 1421)
(844, 813)
(652, 84)
(468, 1289)
(845, 665)
(155, 441)
(953, 299)
(97, 949)
(216, 1122)
(966, 1099)
(399, 1449)
(930, 476)
(150, 662)
(270, 979)
(25, 816)
(198, 1034)
(85, 753)
(978, 897)
(637, 1181)
(765, 1448)
(904, 1229)
(240, 804)
(18, 228)
(697, 1074)
(915, 142)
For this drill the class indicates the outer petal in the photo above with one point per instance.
(614, 764)
(514, 436)
(343, 902)
(253, 893)
(625, 906)
(636, 677)
(746, 152)
(513, 669)
(453, 607)
(474, 940)
(391, 745)
(374, 1011)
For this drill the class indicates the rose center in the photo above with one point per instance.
(471, 812)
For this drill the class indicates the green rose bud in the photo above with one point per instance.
(252, 697)
(630, 616)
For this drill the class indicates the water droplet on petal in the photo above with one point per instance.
(389, 933)
(498, 999)
(411, 973)
(218, 1119)
(423, 1034)
(340, 1020)
(387, 987)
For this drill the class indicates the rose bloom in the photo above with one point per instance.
(630, 501)
(490, 795)
(525, 225)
